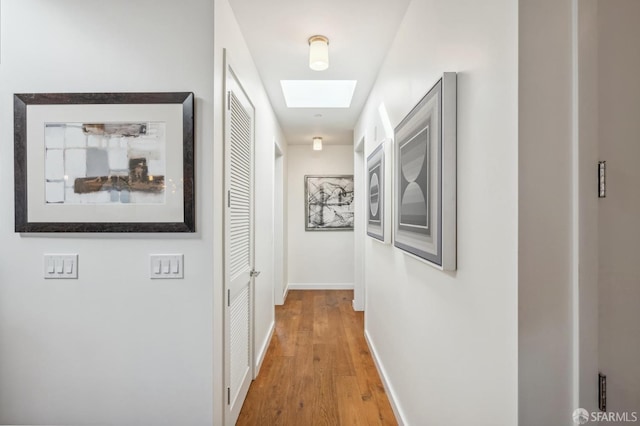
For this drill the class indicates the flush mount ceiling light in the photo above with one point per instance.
(318, 53)
(317, 143)
(318, 93)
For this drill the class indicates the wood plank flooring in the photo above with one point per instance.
(318, 369)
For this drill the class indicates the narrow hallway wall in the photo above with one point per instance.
(317, 259)
(447, 342)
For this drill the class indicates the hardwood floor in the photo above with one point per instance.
(318, 369)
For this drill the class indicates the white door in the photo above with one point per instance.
(239, 136)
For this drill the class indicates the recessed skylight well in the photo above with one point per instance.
(318, 93)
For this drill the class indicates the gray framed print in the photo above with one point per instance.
(375, 177)
(328, 203)
(425, 177)
(104, 162)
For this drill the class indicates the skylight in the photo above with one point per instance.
(318, 93)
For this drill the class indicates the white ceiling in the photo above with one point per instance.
(360, 33)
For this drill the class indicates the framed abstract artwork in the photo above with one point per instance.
(425, 177)
(376, 194)
(104, 162)
(328, 203)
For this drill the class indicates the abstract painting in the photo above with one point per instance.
(104, 162)
(425, 177)
(414, 181)
(376, 194)
(329, 203)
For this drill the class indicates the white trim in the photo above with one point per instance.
(320, 286)
(356, 306)
(286, 293)
(263, 350)
(575, 207)
(393, 399)
(359, 167)
(359, 146)
(278, 231)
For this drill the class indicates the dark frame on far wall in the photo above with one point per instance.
(425, 177)
(104, 162)
(328, 203)
(376, 199)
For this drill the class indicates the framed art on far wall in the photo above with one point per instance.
(104, 162)
(376, 194)
(328, 203)
(425, 177)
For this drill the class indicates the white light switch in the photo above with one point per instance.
(166, 266)
(61, 266)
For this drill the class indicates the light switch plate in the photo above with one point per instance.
(166, 266)
(61, 266)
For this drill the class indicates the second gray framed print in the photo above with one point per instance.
(376, 197)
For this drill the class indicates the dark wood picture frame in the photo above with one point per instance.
(22, 103)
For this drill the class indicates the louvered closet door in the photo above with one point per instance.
(238, 246)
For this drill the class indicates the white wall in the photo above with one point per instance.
(545, 213)
(317, 258)
(447, 342)
(619, 99)
(112, 347)
(115, 347)
(229, 37)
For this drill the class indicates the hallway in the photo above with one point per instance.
(161, 317)
(318, 369)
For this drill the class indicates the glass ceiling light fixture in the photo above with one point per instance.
(317, 143)
(318, 53)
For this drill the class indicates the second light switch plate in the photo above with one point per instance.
(166, 266)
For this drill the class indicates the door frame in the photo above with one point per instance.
(279, 224)
(359, 166)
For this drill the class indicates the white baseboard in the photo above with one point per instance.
(286, 293)
(393, 400)
(357, 307)
(320, 286)
(263, 350)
